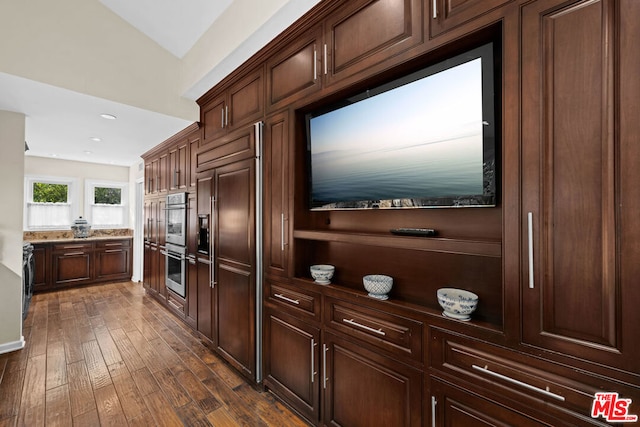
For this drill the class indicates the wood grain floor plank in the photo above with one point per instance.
(80, 390)
(98, 372)
(130, 397)
(192, 416)
(146, 352)
(171, 388)
(110, 351)
(33, 391)
(127, 350)
(58, 407)
(222, 418)
(145, 381)
(10, 393)
(198, 392)
(72, 344)
(109, 409)
(88, 419)
(161, 410)
(56, 365)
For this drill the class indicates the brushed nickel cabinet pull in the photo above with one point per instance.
(292, 301)
(518, 382)
(324, 366)
(434, 402)
(530, 242)
(74, 253)
(435, 9)
(313, 372)
(365, 327)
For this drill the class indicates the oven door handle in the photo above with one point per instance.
(171, 255)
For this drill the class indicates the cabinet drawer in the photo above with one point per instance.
(520, 377)
(114, 244)
(73, 247)
(396, 334)
(294, 299)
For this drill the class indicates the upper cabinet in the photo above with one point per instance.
(234, 107)
(364, 34)
(294, 72)
(447, 14)
(348, 43)
(579, 139)
(171, 166)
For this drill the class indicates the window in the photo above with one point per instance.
(107, 204)
(51, 202)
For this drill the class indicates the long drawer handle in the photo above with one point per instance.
(292, 301)
(74, 253)
(108, 251)
(365, 327)
(313, 364)
(191, 261)
(518, 382)
(324, 366)
(113, 244)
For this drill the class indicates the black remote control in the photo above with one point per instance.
(422, 232)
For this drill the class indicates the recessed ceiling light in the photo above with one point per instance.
(95, 139)
(108, 116)
(88, 152)
(54, 155)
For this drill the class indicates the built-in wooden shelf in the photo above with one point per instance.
(488, 248)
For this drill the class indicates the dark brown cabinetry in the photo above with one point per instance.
(233, 108)
(554, 263)
(42, 268)
(71, 263)
(349, 44)
(276, 173)
(226, 274)
(447, 14)
(113, 259)
(581, 257)
(355, 42)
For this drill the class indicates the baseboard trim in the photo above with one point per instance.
(12, 346)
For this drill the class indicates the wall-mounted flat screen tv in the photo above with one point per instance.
(425, 140)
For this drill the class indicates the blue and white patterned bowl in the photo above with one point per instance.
(457, 303)
(322, 273)
(378, 285)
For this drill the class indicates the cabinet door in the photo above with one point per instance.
(163, 173)
(113, 263)
(246, 100)
(41, 258)
(578, 179)
(291, 360)
(447, 14)
(73, 267)
(451, 406)
(194, 143)
(204, 190)
(234, 269)
(367, 33)
(362, 388)
(276, 195)
(214, 116)
(296, 71)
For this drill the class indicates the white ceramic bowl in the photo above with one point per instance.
(378, 285)
(322, 273)
(457, 303)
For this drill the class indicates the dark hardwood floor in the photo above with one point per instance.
(110, 355)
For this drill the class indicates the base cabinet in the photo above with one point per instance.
(363, 388)
(292, 356)
(80, 262)
(452, 406)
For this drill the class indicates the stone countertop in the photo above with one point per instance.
(59, 236)
(77, 240)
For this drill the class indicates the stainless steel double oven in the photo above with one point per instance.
(176, 237)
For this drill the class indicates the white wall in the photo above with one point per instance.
(79, 170)
(84, 47)
(11, 177)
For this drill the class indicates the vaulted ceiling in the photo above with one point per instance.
(65, 63)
